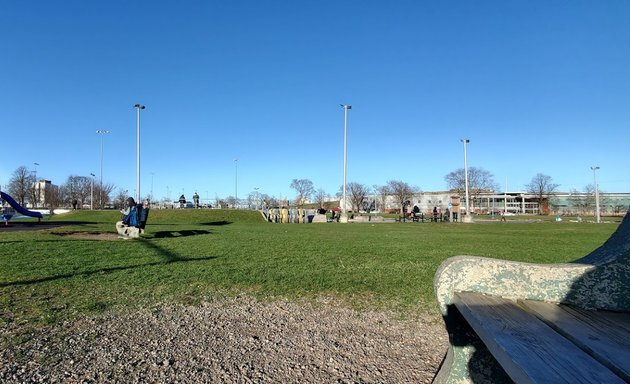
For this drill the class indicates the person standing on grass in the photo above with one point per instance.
(128, 227)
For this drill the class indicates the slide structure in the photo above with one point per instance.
(18, 207)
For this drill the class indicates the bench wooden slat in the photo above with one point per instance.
(528, 349)
(604, 335)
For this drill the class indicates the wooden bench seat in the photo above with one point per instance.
(538, 323)
(590, 348)
(604, 335)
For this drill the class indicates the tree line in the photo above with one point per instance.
(76, 192)
(79, 191)
(480, 181)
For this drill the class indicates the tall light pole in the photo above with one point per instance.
(101, 132)
(92, 192)
(36, 187)
(597, 214)
(138, 107)
(236, 182)
(344, 212)
(467, 218)
(152, 174)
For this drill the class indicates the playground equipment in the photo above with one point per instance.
(18, 208)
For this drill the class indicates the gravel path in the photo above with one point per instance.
(235, 340)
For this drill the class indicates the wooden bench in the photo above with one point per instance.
(538, 323)
(418, 217)
(143, 216)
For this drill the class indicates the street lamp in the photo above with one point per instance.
(36, 187)
(152, 174)
(101, 132)
(344, 212)
(597, 214)
(138, 107)
(467, 218)
(236, 182)
(92, 192)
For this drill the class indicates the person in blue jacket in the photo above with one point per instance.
(128, 226)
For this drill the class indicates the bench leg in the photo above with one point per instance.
(467, 360)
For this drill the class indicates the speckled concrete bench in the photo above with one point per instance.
(538, 323)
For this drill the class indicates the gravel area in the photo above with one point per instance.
(232, 340)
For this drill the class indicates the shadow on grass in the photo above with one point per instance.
(183, 233)
(15, 226)
(217, 223)
(169, 256)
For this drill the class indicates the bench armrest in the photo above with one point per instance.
(508, 279)
(587, 286)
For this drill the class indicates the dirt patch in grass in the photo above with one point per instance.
(89, 235)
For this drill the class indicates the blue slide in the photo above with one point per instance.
(18, 207)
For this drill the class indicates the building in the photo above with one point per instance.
(516, 203)
(41, 190)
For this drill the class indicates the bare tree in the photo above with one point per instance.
(583, 202)
(358, 193)
(304, 189)
(589, 198)
(79, 188)
(53, 196)
(268, 201)
(253, 200)
(542, 186)
(402, 192)
(381, 191)
(34, 194)
(231, 202)
(619, 208)
(220, 203)
(102, 195)
(320, 197)
(120, 201)
(479, 180)
(21, 184)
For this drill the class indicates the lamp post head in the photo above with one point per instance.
(346, 106)
(102, 131)
(465, 141)
(595, 168)
(139, 106)
(93, 175)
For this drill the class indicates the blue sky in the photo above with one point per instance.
(537, 87)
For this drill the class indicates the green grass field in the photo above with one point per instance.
(189, 256)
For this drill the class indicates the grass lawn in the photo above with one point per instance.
(189, 256)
